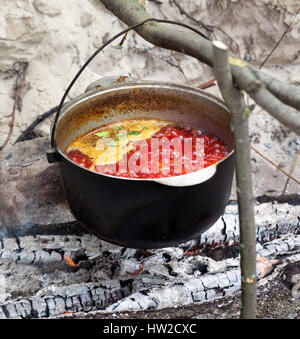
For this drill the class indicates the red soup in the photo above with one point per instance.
(146, 148)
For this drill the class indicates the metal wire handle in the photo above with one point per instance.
(53, 143)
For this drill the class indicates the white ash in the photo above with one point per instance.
(39, 283)
(208, 286)
(272, 219)
(168, 278)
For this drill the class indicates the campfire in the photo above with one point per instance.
(51, 267)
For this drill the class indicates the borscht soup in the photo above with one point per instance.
(146, 148)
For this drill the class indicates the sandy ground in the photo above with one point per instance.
(55, 38)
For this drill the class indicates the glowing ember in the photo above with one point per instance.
(69, 261)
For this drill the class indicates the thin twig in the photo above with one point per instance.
(19, 84)
(36, 122)
(208, 84)
(276, 166)
(209, 28)
(291, 172)
(181, 69)
(279, 41)
(161, 58)
(198, 22)
(177, 65)
(234, 100)
(120, 44)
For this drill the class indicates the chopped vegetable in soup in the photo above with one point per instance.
(146, 148)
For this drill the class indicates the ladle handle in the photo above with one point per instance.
(52, 154)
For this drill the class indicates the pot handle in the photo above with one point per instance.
(53, 154)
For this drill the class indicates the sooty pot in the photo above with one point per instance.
(144, 213)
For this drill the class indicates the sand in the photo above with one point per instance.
(56, 37)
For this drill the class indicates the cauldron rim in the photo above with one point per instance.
(133, 84)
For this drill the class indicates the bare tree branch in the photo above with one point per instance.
(259, 92)
(239, 121)
(132, 12)
(288, 94)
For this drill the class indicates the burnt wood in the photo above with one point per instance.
(32, 202)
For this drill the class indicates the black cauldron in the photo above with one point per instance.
(144, 213)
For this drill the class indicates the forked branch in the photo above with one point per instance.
(280, 100)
